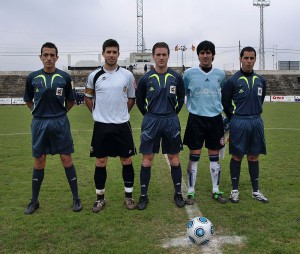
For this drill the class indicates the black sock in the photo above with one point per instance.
(100, 176)
(235, 170)
(253, 167)
(176, 174)
(37, 179)
(145, 176)
(72, 179)
(128, 178)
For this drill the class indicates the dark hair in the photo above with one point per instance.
(206, 45)
(110, 43)
(248, 49)
(49, 45)
(160, 45)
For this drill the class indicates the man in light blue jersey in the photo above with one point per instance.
(203, 85)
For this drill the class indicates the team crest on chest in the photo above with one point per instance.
(125, 89)
(59, 91)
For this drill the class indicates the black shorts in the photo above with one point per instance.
(160, 129)
(202, 128)
(112, 140)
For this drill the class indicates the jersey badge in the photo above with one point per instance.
(241, 91)
(59, 91)
(259, 91)
(173, 89)
(125, 89)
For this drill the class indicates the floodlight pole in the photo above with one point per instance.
(261, 51)
(140, 37)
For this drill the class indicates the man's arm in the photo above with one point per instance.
(70, 105)
(141, 96)
(130, 104)
(227, 99)
(264, 82)
(89, 103)
(180, 95)
(29, 104)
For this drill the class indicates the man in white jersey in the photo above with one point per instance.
(110, 95)
(203, 85)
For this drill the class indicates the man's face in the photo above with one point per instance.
(161, 57)
(248, 61)
(49, 58)
(111, 55)
(205, 58)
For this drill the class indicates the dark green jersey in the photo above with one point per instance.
(49, 92)
(160, 94)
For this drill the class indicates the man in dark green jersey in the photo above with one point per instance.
(49, 96)
(160, 97)
(242, 97)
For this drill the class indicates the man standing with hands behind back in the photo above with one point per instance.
(110, 95)
(203, 85)
(242, 96)
(160, 96)
(49, 95)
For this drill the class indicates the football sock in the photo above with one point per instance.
(100, 176)
(145, 179)
(235, 169)
(176, 174)
(215, 170)
(128, 178)
(192, 172)
(72, 179)
(253, 167)
(37, 179)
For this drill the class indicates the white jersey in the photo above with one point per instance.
(110, 92)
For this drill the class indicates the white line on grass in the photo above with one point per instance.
(214, 245)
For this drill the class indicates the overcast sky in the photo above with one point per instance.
(79, 27)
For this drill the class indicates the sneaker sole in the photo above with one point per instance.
(261, 200)
(142, 208)
(77, 210)
(189, 202)
(220, 201)
(97, 210)
(131, 207)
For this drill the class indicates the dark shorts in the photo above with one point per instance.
(51, 136)
(246, 136)
(202, 129)
(160, 129)
(112, 140)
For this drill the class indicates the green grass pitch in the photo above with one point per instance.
(54, 228)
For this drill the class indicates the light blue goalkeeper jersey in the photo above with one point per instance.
(203, 91)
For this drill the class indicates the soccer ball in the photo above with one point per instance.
(200, 230)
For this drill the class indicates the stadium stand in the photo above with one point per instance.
(278, 82)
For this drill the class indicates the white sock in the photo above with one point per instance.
(191, 175)
(215, 170)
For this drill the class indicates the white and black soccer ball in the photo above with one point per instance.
(200, 230)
